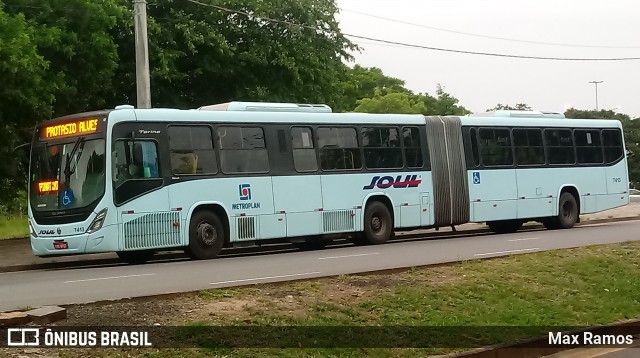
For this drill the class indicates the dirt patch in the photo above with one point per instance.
(296, 299)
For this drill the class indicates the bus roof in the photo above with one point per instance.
(247, 112)
(268, 107)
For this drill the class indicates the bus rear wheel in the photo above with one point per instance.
(505, 226)
(135, 257)
(378, 224)
(206, 236)
(567, 213)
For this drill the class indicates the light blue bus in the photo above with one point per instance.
(136, 181)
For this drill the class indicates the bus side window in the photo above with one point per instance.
(559, 144)
(242, 150)
(612, 142)
(412, 147)
(529, 147)
(339, 148)
(191, 148)
(304, 153)
(588, 146)
(382, 148)
(495, 147)
(134, 160)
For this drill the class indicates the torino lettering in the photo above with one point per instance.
(384, 182)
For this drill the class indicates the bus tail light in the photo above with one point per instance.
(96, 224)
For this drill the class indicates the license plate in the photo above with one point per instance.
(61, 245)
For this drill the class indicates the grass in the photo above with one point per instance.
(13, 227)
(517, 295)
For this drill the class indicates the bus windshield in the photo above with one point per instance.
(67, 176)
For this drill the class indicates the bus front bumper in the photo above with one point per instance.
(103, 240)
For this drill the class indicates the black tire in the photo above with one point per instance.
(311, 245)
(505, 226)
(567, 211)
(358, 239)
(378, 224)
(135, 257)
(206, 236)
(551, 223)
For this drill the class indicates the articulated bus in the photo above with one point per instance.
(137, 181)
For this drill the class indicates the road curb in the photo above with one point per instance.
(400, 236)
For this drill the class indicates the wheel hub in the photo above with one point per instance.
(376, 224)
(207, 233)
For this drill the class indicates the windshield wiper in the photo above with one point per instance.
(67, 167)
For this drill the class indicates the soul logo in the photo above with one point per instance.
(384, 182)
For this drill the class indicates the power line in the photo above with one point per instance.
(487, 36)
(493, 54)
(414, 45)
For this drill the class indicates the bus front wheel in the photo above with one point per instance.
(206, 236)
(135, 257)
(378, 224)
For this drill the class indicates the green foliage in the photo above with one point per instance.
(392, 102)
(200, 55)
(517, 107)
(443, 104)
(631, 136)
(359, 82)
(403, 101)
(67, 56)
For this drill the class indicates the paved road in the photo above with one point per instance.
(109, 282)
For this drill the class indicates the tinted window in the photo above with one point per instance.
(242, 150)
(304, 153)
(475, 152)
(339, 148)
(588, 146)
(192, 150)
(135, 169)
(495, 147)
(412, 147)
(382, 148)
(559, 144)
(612, 142)
(528, 146)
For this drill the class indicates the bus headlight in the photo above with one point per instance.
(32, 231)
(96, 224)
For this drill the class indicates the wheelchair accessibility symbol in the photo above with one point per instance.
(67, 197)
(476, 177)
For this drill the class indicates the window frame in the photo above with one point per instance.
(214, 149)
(400, 147)
(313, 147)
(221, 150)
(358, 148)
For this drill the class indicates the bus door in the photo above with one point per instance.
(298, 195)
(142, 200)
(535, 188)
(491, 174)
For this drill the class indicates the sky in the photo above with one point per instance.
(568, 29)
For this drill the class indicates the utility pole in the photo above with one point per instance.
(143, 84)
(596, 83)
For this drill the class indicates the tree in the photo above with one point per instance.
(363, 82)
(506, 107)
(25, 96)
(443, 105)
(201, 55)
(391, 102)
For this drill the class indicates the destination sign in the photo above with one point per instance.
(47, 186)
(85, 126)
